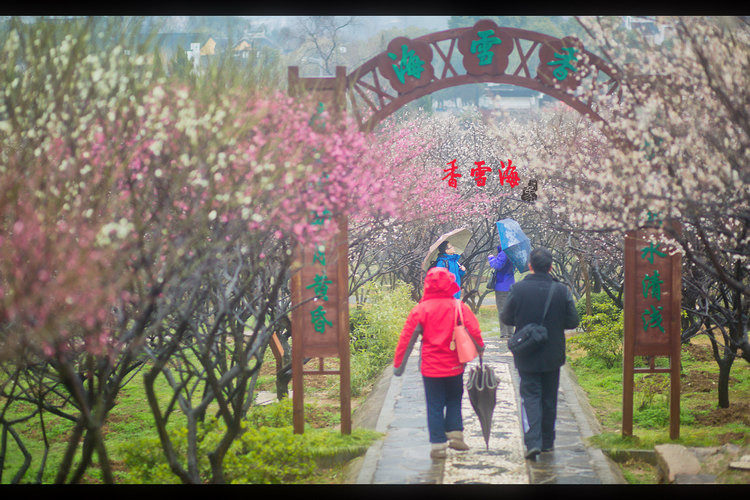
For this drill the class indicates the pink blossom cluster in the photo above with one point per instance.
(408, 150)
(107, 217)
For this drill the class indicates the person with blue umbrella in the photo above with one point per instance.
(514, 243)
(504, 279)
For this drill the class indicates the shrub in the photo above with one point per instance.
(602, 337)
(267, 453)
(278, 414)
(146, 463)
(376, 326)
(600, 303)
(649, 387)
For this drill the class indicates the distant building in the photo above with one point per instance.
(170, 43)
(649, 28)
(513, 97)
(200, 47)
(258, 38)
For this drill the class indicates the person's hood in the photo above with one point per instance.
(439, 283)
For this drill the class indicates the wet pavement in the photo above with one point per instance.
(403, 455)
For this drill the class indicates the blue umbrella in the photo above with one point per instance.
(514, 243)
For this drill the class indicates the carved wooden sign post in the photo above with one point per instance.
(320, 284)
(652, 318)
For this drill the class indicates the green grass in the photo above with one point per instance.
(131, 420)
(702, 424)
(489, 321)
(604, 390)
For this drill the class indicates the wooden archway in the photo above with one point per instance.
(373, 93)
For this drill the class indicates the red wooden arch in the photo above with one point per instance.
(372, 96)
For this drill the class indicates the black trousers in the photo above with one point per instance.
(539, 407)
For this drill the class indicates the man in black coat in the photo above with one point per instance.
(540, 371)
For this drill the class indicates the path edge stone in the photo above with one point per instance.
(607, 470)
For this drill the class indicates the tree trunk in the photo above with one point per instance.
(161, 426)
(104, 464)
(67, 461)
(93, 442)
(597, 286)
(26, 455)
(587, 285)
(86, 453)
(725, 367)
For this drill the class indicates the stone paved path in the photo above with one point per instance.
(403, 456)
(501, 460)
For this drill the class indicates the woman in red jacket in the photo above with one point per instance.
(442, 373)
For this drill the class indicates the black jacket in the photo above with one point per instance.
(525, 304)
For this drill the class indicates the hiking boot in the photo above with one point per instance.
(456, 440)
(438, 450)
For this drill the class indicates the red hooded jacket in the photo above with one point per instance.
(434, 318)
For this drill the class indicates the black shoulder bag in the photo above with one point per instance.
(532, 336)
(492, 281)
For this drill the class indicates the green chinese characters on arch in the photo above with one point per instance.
(482, 46)
(407, 64)
(485, 49)
(563, 63)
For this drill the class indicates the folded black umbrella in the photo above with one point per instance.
(482, 386)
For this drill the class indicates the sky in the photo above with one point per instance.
(369, 24)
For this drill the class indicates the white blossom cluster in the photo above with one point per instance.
(676, 144)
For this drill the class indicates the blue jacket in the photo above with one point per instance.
(451, 262)
(505, 271)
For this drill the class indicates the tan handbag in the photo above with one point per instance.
(462, 341)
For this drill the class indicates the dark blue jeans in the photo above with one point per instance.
(539, 398)
(443, 395)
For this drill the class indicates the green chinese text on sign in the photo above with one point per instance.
(483, 47)
(410, 64)
(564, 62)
